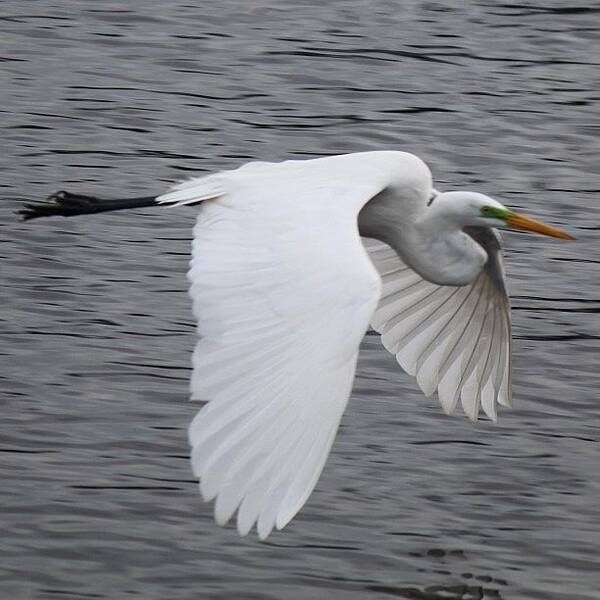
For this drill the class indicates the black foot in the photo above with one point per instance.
(67, 204)
(61, 203)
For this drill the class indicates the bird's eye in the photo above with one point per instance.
(487, 211)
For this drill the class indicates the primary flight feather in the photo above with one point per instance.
(291, 262)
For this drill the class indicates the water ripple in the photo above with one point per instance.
(98, 500)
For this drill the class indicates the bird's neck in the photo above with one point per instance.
(449, 257)
(436, 248)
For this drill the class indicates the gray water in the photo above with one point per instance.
(123, 98)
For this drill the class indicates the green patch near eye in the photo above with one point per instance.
(491, 212)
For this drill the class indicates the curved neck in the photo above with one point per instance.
(450, 257)
(429, 242)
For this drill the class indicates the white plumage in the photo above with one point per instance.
(284, 290)
(455, 339)
(282, 304)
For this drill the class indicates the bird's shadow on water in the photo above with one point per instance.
(439, 592)
(434, 560)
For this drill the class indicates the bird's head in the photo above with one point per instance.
(478, 210)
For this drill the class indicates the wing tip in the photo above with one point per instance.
(447, 408)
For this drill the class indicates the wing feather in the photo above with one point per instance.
(282, 307)
(453, 339)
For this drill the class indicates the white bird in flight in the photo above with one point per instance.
(291, 262)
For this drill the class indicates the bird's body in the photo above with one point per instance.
(284, 288)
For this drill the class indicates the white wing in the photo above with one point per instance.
(455, 339)
(283, 291)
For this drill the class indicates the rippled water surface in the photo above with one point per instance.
(123, 98)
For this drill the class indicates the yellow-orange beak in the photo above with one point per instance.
(526, 224)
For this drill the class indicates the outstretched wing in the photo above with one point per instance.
(455, 339)
(283, 291)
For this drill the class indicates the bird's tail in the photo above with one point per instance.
(67, 204)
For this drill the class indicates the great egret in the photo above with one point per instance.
(284, 289)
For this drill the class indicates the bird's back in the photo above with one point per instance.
(326, 180)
